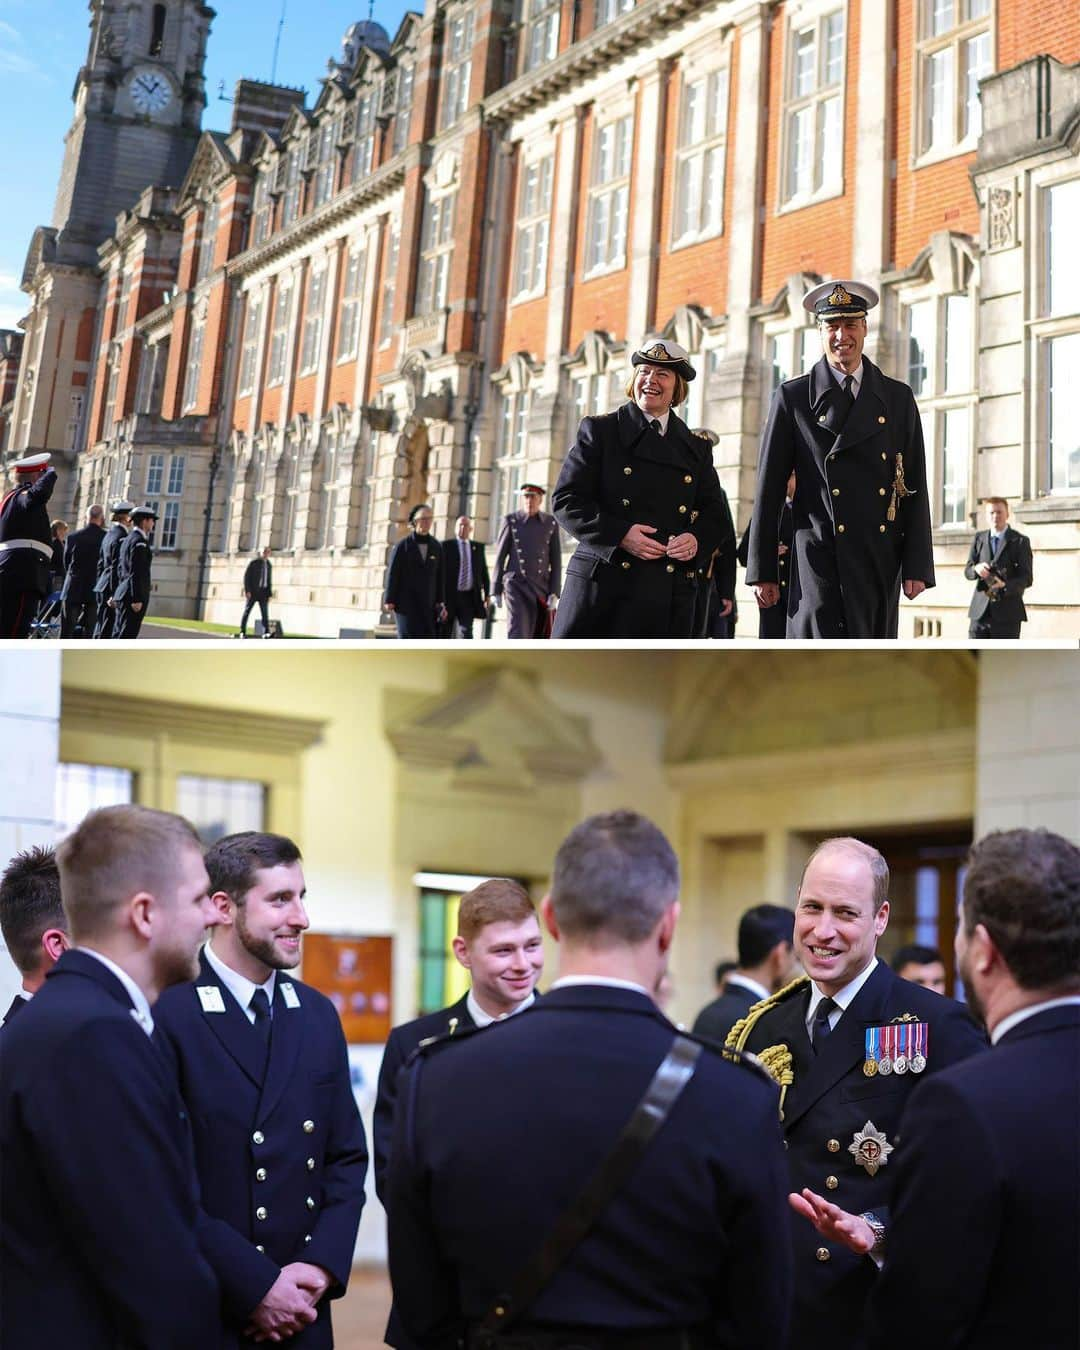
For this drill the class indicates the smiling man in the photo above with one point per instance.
(861, 511)
(848, 1044)
(262, 1064)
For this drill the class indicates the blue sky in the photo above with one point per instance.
(43, 43)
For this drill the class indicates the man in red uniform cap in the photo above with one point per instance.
(25, 544)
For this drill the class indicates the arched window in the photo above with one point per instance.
(157, 30)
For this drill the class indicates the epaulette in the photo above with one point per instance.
(740, 1032)
(429, 1043)
(774, 1060)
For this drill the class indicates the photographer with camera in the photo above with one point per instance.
(1000, 565)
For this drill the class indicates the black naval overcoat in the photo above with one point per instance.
(618, 473)
(136, 559)
(414, 585)
(772, 622)
(108, 578)
(848, 558)
(830, 1101)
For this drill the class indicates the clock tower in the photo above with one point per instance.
(139, 101)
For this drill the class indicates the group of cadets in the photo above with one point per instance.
(106, 583)
(834, 1160)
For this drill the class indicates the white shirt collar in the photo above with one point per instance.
(485, 1019)
(747, 983)
(239, 985)
(141, 1011)
(1022, 1014)
(842, 999)
(608, 982)
(840, 376)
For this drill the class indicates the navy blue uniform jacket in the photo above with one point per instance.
(496, 1133)
(830, 1100)
(619, 473)
(108, 572)
(717, 1018)
(414, 586)
(82, 549)
(99, 1211)
(986, 1219)
(136, 556)
(298, 1125)
(849, 558)
(1013, 561)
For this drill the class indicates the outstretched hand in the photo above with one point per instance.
(832, 1222)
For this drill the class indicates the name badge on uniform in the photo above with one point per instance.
(210, 998)
(289, 994)
(896, 1048)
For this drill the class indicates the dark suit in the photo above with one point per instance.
(414, 586)
(465, 607)
(24, 571)
(296, 1121)
(258, 583)
(82, 551)
(108, 579)
(986, 1216)
(620, 472)
(99, 1215)
(848, 558)
(402, 1041)
(136, 557)
(717, 1018)
(829, 1101)
(697, 1238)
(18, 1003)
(1000, 614)
(716, 583)
(772, 622)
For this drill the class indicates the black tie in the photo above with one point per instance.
(260, 1006)
(849, 387)
(655, 424)
(994, 541)
(821, 1028)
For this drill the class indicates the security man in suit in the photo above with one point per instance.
(498, 942)
(766, 963)
(414, 580)
(263, 1068)
(528, 567)
(465, 578)
(861, 512)
(640, 494)
(1000, 566)
(258, 584)
(25, 544)
(32, 920)
(692, 1249)
(132, 595)
(986, 1203)
(108, 573)
(99, 1231)
(82, 552)
(847, 1044)
(772, 619)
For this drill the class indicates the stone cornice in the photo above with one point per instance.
(340, 208)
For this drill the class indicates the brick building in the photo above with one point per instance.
(414, 288)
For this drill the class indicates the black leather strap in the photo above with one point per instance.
(675, 1071)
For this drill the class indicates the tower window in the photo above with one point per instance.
(157, 31)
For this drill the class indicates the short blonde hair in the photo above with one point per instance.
(681, 394)
(497, 901)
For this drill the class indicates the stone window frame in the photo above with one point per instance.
(947, 273)
(262, 206)
(927, 46)
(1043, 328)
(800, 17)
(598, 362)
(251, 342)
(166, 497)
(314, 317)
(351, 304)
(541, 24)
(456, 74)
(193, 362)
(387, 331)
(706, 62)
(535, 225)
(209, 220)
(112, 382)
(622, 111)
(362, 155)
(607, 11)
(324, 178)
(406, 88)
(292, 192)
(436, 249)
(280, 324)
(793, 336)
(514, 387)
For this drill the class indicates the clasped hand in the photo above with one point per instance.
(638, 541)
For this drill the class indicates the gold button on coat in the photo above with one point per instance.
(309, 1127)
(833, 1145)
(260, 1174)
(626, 501)
(310, 1203)
(836, 492)
(682, 510)
(628, 470)
(881, 528)
(258, 1137)
(260, 1213)
(881, 492)
(831, 1183)
(822, 1254)
(689, 478)
(881, 420)
(671, 567)
(311, 1164)
(259, 1247)
(626, 567)
(840, 529)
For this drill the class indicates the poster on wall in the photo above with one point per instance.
(354, 973)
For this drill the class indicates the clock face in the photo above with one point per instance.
(150, 91)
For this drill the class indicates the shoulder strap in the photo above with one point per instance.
(675, 1071)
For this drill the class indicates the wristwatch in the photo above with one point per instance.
(878, 1229)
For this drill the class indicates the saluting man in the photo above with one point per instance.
(847, 1045)
(25, 544)
(132, 595)
(108, 571)
(263, 1068)
(861, 511)
(528, 566)
(639, 492)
